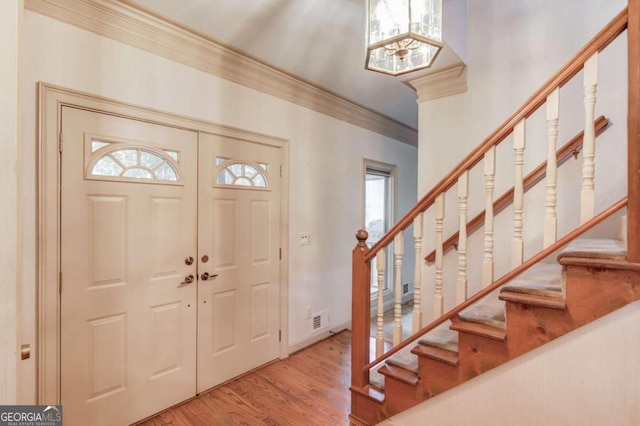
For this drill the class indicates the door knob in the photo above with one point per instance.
(187, 280)
(205, 276)
(189, 260)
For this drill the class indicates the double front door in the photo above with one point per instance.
(169, 264)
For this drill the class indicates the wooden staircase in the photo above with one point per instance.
(591, 279)
(540, 299)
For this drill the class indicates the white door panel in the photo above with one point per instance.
(127, 328)
(239, 229)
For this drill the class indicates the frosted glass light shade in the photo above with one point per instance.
(403, 35)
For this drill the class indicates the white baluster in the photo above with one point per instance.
(380, 265)
(489, 185)
(417, 274)
(517, 246)
(587, 195)
(463, 193)
(550, 219)
(398, 248)
(438, 299)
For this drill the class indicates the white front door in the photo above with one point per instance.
(238, 246)
(169, 258)
(128, 223)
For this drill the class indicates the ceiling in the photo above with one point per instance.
(321, 42)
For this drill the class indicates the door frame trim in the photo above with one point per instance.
(51, 99)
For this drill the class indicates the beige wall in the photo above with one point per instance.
(10, 33)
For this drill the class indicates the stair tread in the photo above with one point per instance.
(534, 300)
(400, 374)
(543, 279)
(441, 337)
(437, 354)
(404, 359)
(596, 248)
(484, 330)
(489, 311)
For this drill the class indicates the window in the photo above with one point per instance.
(240, 173)
(379, 207)
(124, 161)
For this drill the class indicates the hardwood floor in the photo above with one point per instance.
(311, 387)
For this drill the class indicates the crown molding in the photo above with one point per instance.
(446, 82)
(131, 24)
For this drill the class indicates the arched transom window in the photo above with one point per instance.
(133, 162)
(232, 172)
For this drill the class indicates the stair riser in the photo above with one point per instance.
(532, 326)
(479, 354)
(594, 292)
(438, 377)
(369, 412)
(400, 396)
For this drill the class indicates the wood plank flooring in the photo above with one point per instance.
(311, 387)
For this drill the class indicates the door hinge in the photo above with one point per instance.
(60, 143)
(280, 254)
(60, 282)
(280, 170)
(279, 335)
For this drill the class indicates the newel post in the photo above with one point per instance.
(360, 311)
(633, 128)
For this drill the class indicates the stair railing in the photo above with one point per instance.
(587, 60)
(570, 149)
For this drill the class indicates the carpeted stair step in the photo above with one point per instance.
(404, 359)
(400, 374)
(600, 248)
(541, 285)
(479, 329)
(488, 311)
(437, 354)
(441, 337)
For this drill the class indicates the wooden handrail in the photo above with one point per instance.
(633, 131)
(559, 79)
(570, 148)
(501, 281)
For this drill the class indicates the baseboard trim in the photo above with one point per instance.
(319, 336)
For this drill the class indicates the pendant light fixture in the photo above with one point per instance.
(403, 35)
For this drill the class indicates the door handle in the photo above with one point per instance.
(205, 276)
(188, 279)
